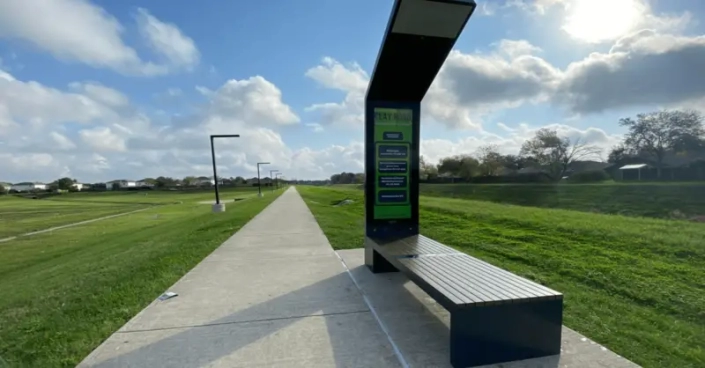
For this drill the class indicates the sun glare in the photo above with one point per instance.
(602, 20)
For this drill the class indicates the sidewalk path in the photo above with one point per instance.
(273, 295)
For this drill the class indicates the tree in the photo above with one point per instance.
(64, 183)
(3, 189)
(162, 182)
(345, 178)
(491, 161)
(427, 170)
(657, 133)
(464, 166)
(190, 180)
(239, 180)
(515, 162)
(554, 154)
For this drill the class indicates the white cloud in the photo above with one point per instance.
(77, 30)
(598, 21)
(645, 68)
(255, 100)
(98, 92)
(102, 139)
(467, 87)
(62, 142)
(167, 40)
(350, 79)
(317, 128)
(33, 105)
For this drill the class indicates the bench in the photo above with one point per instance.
(495, 316)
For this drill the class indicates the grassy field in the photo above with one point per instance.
(636, 285)
(63, 293)
(23, 215)
(658, 200)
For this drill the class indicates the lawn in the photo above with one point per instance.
(636, 285)
(64, 292)
(659, 200)
(23, 215)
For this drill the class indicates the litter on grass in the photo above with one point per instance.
(168, 295)
(344, 202)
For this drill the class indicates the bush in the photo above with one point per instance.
(589, 176)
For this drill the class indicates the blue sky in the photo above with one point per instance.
(101, 90)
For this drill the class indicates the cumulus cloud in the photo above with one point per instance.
(115, 140)
(255, 100)
(352, 80)
(77, 30)
(167, 40)
(644, 68)
(467, 87)
(33, 104)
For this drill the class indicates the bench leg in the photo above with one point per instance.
(376, 261)
(503, 333)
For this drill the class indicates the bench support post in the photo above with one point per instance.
(375, 261)
(507, 332)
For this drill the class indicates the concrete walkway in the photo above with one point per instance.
(273, 295)
(276, 295)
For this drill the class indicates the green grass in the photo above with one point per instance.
(636, 285)
(23, 215)
(681, 200)
(63, 293)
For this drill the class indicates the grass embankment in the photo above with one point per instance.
(63, 293)
(636, 285)
(23, 215)
(658, 200)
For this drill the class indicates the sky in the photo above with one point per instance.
(104, 90)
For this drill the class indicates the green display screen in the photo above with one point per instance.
(393, 129)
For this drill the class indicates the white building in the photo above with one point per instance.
(79, 186)
(143, 184)
(28, 187)
(120, 184)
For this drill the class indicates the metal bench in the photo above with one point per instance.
(495, 316)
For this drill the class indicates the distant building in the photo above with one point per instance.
(28, 187)
(203, 180)
(120, 184)
(80, 186)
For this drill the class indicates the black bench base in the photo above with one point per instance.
(505, 332)
(495, 316)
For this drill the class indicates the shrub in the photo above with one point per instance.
(589, 176)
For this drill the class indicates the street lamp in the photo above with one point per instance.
(218, 207)
(276, 176)
(259, 182)
(271, 178)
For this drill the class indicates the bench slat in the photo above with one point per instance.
(461, 279)
(480, 281)
(512, 280)
(415, 245)
(438, 285)
(506, 289)
(471, 295)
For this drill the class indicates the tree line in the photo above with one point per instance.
(650, 138)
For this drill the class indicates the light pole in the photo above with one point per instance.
(271, 178)
(277, 179)
(218, 207)
(259, 182)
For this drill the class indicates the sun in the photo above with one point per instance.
(602, 20)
